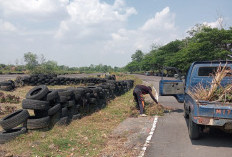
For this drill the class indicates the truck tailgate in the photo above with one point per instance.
(215, 110)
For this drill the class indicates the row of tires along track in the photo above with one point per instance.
(51, 79)
(59, 106)
(41, 79)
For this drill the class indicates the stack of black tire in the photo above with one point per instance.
(41, 79)
(45, 105)
(10, 125)
(59, 106)
(7, 85)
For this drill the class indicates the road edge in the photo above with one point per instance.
(146, 144)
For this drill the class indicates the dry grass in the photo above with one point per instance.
(84, 137)
(214, 92)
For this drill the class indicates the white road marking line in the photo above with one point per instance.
(142, 153)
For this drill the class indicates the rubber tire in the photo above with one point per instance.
(6, 88)
(65, 93)
(64, 112)
(92, 100)
(71, 103)
(41, 113)
(52, 95)
(35, 104)
(186, 115)
(63, 99)
(37, 123)
(193, 129)
(55, 118)
(63, 121)
(6, 83)
(14, 119)
(77, 96)
(6, 136)
(76, 116)
(37, 93)
(54, 109)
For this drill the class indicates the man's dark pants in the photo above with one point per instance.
(138, 96)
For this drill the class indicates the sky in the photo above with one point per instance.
(83, 32)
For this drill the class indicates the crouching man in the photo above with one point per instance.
(138, 93)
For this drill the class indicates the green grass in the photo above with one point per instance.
(84, 137)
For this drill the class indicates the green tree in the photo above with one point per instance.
(49, 67)
(31, 61)
(137, 56)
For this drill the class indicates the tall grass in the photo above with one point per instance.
(215, 91)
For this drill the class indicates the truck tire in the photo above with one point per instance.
(37, 93)
(40, 113)
(193, 129)
(53, 110)
(186, 115)
(6, 136)
(14, 119)
(35, 104)
(37, 123)
(52, 95)
(63, 121)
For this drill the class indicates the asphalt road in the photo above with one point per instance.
(171, 139)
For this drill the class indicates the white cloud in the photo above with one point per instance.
(217, 24)
(159, 29)
(6, 26)
(91, 16)
(16, 7)
(79, 32)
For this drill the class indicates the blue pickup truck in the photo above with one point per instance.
(200, 114)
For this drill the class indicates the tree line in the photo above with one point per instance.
(35, 64)
(202, 44)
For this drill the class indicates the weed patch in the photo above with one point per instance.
(8, 98)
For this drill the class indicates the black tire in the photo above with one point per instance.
(54, 109)
(37, 93)
(54, 119)
(92, 100)
(6, 136)
(52, 95)
(35, 104)
(71, 103)
(14, 119)
(37, 123)
(64, 112)
(6, 83)
(65, 93)
(6, 88)
(41, 113)
(63, 121)
(77, 96)
(186, 115)
(76, 116)
(63, 99)
(193, 129)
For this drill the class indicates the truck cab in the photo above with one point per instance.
(200, 113)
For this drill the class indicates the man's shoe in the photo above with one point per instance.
(143, 115)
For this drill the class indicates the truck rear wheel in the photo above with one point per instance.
(193, 129)
(185, 112)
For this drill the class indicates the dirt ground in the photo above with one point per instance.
(128, 138)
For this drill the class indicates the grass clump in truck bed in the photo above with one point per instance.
(215, 91)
